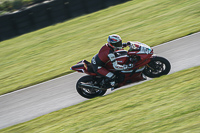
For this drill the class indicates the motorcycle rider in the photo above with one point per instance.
(105, 55)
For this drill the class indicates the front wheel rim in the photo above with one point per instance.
(156, 67)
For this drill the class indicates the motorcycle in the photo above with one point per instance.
(146, 64)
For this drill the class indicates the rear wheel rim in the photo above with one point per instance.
(87, 91)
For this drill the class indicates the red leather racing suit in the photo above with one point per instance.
(99, 61)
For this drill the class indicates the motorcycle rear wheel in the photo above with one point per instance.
(157, 67)
(88, 93)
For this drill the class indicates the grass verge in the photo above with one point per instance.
(167, 104)
(49, 52)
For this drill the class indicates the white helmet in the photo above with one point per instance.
(115, 41)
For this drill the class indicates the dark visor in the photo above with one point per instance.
(118, 44)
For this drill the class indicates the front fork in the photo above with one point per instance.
(150, 67)
(153, 56)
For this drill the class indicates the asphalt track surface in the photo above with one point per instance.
(31, 102)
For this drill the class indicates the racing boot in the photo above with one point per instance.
(112, 82)
(144, 76)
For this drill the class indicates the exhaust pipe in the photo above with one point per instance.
(90, 86)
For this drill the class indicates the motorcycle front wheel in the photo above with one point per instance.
(88, 92)
(157, 67)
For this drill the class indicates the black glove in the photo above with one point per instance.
(126, 44)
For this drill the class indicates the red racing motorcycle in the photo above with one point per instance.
(145, 65)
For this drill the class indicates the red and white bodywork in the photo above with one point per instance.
(139, 54)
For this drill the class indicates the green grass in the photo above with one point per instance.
(50, 52)
(169, 104)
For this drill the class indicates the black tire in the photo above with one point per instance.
(157, 67)
(88, 93)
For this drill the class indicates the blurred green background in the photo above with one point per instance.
(50, 52)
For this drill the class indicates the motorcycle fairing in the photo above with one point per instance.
(143, 55)
(83, 66)
(131, 78)
(80, 67)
